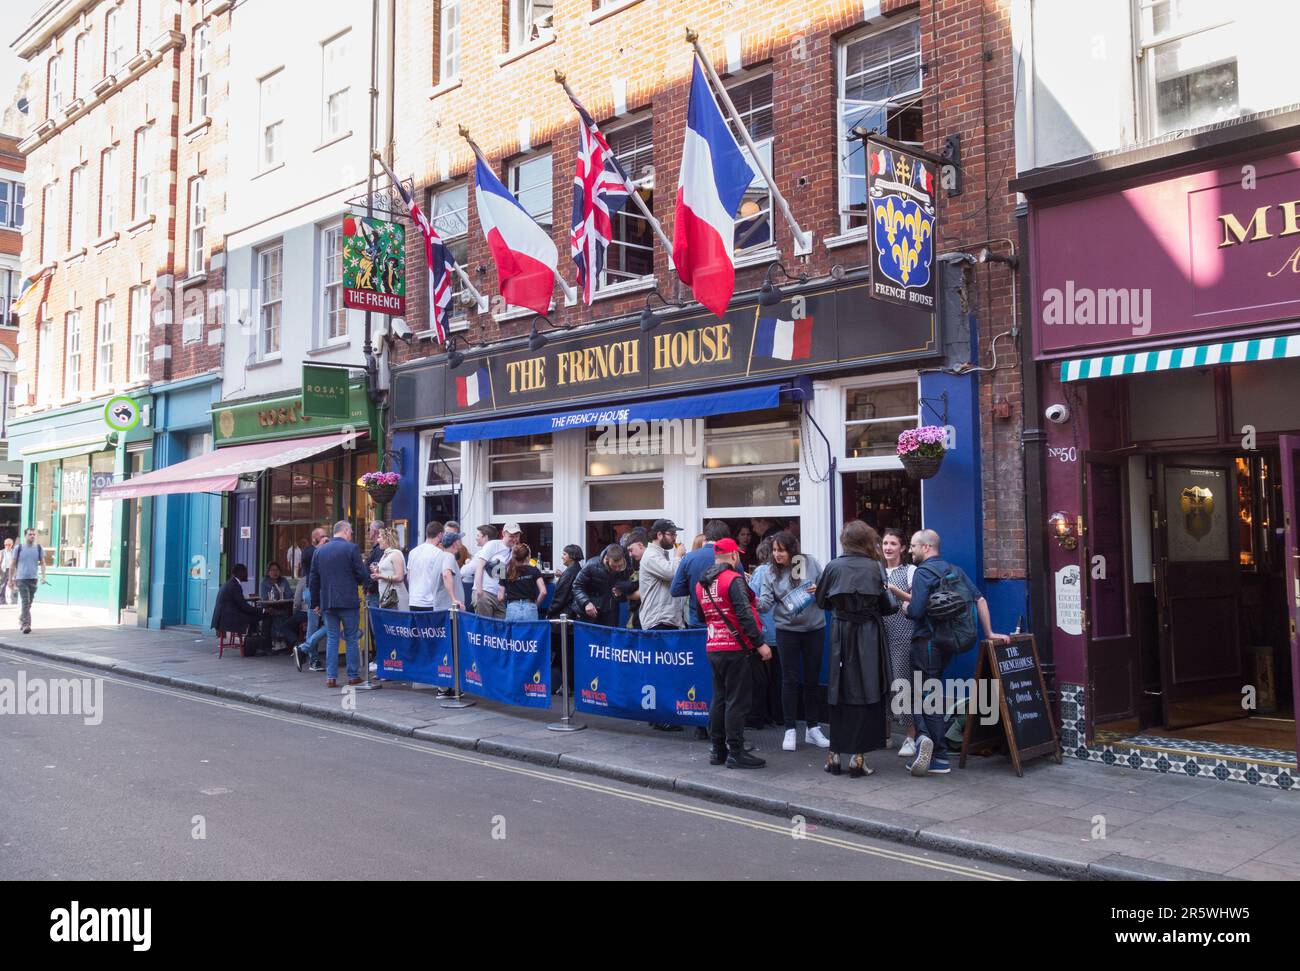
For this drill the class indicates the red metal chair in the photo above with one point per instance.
(228, 639)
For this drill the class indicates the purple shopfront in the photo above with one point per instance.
(1166, 309)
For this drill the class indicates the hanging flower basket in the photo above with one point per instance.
(381, 486)
(921, 451)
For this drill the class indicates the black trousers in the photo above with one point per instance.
(733, 686)
(801, 666)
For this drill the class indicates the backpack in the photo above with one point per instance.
(949, 610)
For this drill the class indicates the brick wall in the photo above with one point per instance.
(968, 88)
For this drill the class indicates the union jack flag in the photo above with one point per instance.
(600, 190)
(440, 261)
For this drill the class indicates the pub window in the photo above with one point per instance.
(625, 467)
(529, 21)
(449, 41)
(74, 485)
(443, 464)
(631, 253)
(521, 472)
(335, 87)
(334, 326)
(530, 181)
(1188, 59)
(524, 458)
(752, 97)
(450, 219)
(879, 77)
(768, 437)
(874, 417)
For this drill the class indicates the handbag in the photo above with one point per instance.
(389, 598)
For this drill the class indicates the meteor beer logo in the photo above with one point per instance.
(690, 707)
(473, 677)
(594, 696)
(444, 667)
(534, 688)
(392, 664)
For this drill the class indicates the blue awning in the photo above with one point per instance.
(694, 406)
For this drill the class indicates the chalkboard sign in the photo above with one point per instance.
(1023, 711)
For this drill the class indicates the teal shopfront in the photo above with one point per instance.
(96, 549)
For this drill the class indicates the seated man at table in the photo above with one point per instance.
(233, 613)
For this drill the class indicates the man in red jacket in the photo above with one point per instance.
(734, 633)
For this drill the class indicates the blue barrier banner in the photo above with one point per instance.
(413, 646)
(645, 675)
(506, 662)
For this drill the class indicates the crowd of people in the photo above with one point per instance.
(763, 603)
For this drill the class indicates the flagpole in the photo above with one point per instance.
(570, 294)
(631, 189)
(481, 302)
(803, 242)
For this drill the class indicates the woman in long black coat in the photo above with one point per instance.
(852, 587)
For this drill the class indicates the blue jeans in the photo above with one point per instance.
(930, 663)
(521, 610)
(350, 619)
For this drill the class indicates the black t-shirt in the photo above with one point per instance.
(523, 587)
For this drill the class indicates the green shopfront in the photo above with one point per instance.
(269, 518)
(96, 549)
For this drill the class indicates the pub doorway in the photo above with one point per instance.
(1186, 558)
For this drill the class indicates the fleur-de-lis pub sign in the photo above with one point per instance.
(902, 196)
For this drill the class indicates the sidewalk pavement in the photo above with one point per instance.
(1157, 827)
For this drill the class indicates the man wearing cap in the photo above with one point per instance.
(734, 634)
(490, 568)
(660, 610)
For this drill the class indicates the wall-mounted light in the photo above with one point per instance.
(648, 319)
(536, 339)
(1065, 529)
(768, 294)
(454, 357)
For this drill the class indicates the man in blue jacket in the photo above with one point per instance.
(336, 573)
(931, 747)
(693, 566)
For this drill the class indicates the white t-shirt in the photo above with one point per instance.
(422, 579)
(495, 552)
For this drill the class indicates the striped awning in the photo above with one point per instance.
(1173, 358)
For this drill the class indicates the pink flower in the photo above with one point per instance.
(926, 441)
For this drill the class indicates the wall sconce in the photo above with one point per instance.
(1065, 530)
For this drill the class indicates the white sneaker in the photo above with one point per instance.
(908, 749)
(789, 742)
(814, 736)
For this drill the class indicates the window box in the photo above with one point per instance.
(198, 128)
(140, 225)
(105, 242)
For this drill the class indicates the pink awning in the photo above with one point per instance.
(219, 471)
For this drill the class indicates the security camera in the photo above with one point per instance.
(401, 331)
(1058, 414)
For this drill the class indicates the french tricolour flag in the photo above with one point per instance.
(474, 388)
(523, 251)
(714, 177)
(785, 340)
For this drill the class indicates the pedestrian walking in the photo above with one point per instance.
(853, 588)
(6, 568)
(789, 590)
(926, 658)
(26, 570)
(898, 635)
(734, 635)
(336, 573)
(315, 632)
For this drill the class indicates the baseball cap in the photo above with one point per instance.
(664, 526)
(448, 539)
(726, 546)
(511, 528)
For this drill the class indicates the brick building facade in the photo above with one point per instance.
(944, 68)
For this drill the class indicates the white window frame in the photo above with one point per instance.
(81, 81)
(270, 308)
(426, 459)
(458, 318)
(201, 66)
(104, 312)
(140, 320)
(44, 373)
(108, 173)
(1147, 43)
(529, 25)
(72, 352)
(114, 48)
(516, 185)
(764, 145)
(336, 86)
(54, 99)
(198, 221)
(448, 41)
(331, 264)
(874, 463)
(630, 209)
(148, 29)
(49, 222)
(141, 203)
(77, 208)
(507, 484)
(843, 104)
(270, 141)
(15, 202)
(10, 289)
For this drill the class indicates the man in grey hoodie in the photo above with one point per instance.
(660, 610)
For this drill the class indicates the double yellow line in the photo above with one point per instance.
(645, 798)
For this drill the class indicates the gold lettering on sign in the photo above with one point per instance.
(527, 375)
(615, 360)
(1292, 261)
(704, 345)
(1291, 224)
(1232, 227)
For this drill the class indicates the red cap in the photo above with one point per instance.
(726, 546)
